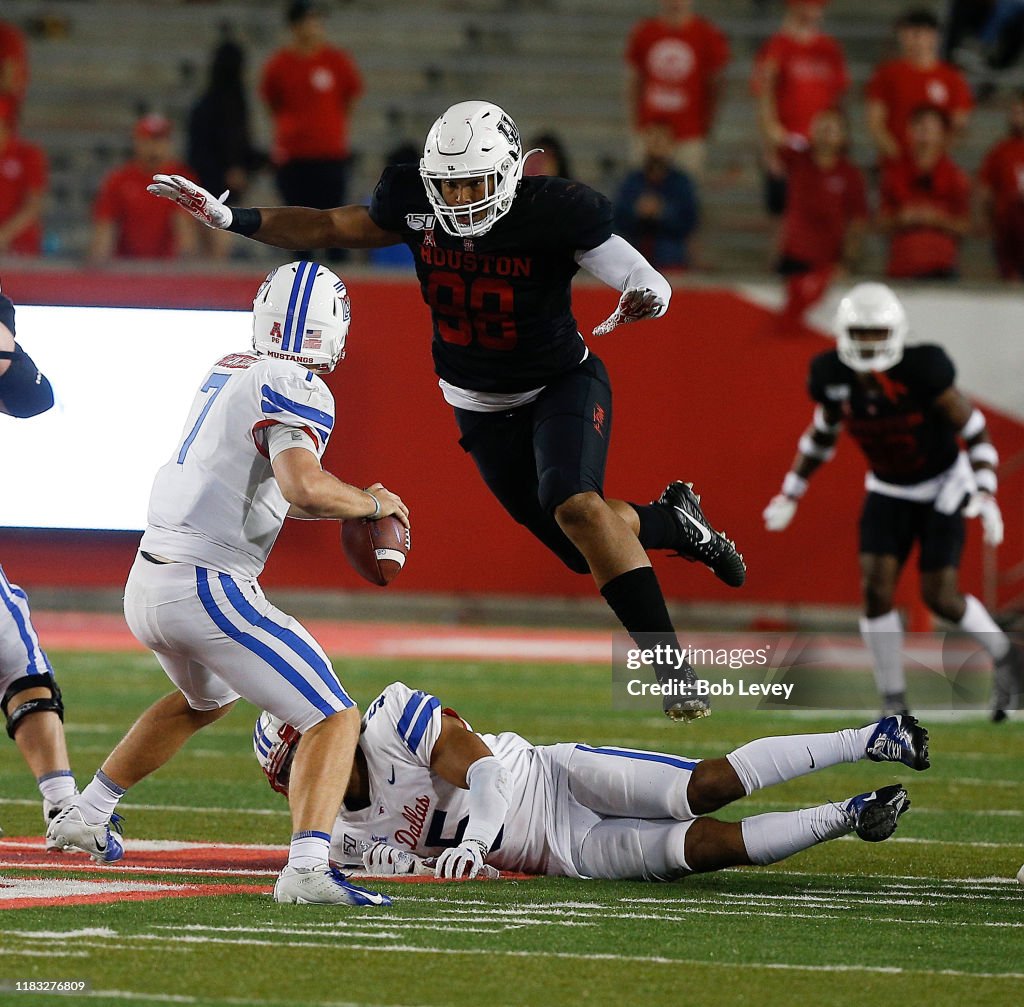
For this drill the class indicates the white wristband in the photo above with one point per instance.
(794, 486)
(985, 452)
(810, 447)
(974, 425)
(987, 480)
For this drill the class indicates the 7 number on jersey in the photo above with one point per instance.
(214, 383)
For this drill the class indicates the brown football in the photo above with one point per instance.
(376, 550)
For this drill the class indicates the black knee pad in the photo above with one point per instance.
(50, 704)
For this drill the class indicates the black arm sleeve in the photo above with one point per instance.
(24, 389)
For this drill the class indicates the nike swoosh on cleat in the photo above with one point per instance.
(811, 754)
(703, 529)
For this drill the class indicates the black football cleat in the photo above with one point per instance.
(900, 739)
(703, 544)
(874, 816)
(687, 706)
(1007, 683)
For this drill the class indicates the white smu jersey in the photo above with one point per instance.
(412, 809)
(216, 502)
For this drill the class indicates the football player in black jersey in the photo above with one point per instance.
(495, 256)
(902, 407)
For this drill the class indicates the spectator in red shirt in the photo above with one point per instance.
(798, 73)
(13, 73)
(1001, 188)
(926, 203)
(310, 88)
(675, 64)
(23, 181)
(917, 78)
(826, 212)
(125, 223)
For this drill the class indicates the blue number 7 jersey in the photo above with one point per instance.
(216, 503)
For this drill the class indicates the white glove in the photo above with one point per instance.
(779, 512)
(465, 861)
(635, 304)
(984, 505)
(383, 859)
(200, 203)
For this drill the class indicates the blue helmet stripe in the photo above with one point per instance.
(300, 325)
(292, 299)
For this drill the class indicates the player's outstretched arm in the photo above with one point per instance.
(461, 757)
(315, 493)
(817, 445)
(646, 293)
(295, 227)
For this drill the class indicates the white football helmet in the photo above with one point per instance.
(473, 139)
(275, 742)
(302, 312)
(870, 308)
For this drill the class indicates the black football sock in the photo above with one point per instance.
(636, 599)
(658, 529)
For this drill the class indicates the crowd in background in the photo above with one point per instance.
(916, 106)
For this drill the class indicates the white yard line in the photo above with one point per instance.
(378, 948)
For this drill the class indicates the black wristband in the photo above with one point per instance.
(245, 220)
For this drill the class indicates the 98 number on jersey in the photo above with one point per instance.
(482, 308)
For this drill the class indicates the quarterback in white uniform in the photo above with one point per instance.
(428, 795)
(248, 457)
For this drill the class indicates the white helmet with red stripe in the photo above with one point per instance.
(275, 742)
(302, 312)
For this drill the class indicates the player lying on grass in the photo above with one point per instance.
(424, 785)
(249, 456)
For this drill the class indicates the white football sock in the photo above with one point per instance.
(982, 627)
(767, 761)
(309, 849)
(99, 799)
(57, 785)
(884, 637)
(779, 834)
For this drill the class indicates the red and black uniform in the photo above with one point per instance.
(503, 325)
(909, 445)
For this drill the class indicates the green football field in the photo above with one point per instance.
(932, 916)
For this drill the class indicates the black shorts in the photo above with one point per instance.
(890, 527)
(537, 456)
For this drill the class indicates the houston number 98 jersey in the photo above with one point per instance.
(500, 302)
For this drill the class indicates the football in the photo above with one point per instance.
(376, 550)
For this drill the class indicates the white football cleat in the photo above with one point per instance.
(69, 831)
(53, 808)
(323, 886)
